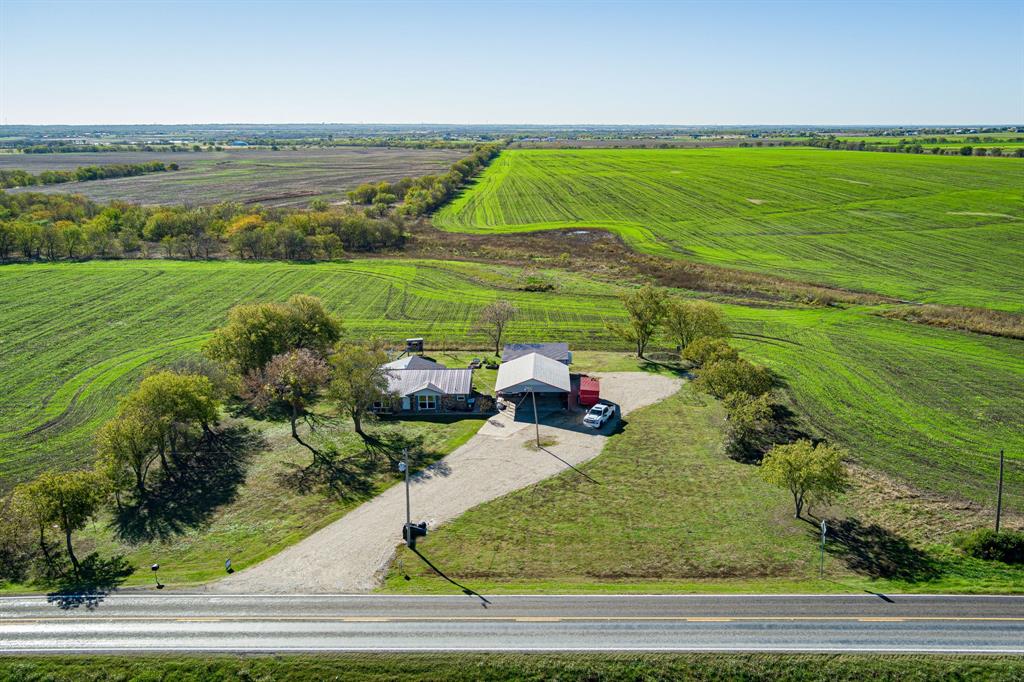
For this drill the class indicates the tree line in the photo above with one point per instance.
(419, 196)
(68, 227)
(912, 147)
(21, 178)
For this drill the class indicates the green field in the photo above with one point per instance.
(916, 227)
(928, 404)
(501, 667)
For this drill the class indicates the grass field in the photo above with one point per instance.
(664, 509)
(272, 178)
(928, 404)
(917, 227)
(487, 667)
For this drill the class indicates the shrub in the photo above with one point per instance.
(1006, 546)
(706, 350)
(722, 377)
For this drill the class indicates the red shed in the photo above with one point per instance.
(590, 391)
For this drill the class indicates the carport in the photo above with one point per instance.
(542, 380)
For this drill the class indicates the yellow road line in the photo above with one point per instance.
(522, 619)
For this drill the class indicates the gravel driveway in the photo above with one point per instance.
(352, 554)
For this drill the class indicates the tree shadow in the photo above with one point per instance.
(186, 497)
(97, 577)
(346, 478)
(878, 552)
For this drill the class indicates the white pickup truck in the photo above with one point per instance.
(598, 415)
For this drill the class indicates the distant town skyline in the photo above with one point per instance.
(547, 63)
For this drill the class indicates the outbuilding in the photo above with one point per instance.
(555, 351)
(547, 379)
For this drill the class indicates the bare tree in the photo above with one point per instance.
(493, 320)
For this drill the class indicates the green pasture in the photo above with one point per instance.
(917, 227)
(927, 404)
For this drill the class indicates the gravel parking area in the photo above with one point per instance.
(352, 554)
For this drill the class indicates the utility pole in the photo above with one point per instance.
(405, 468)
(821, 562)
(410, 531)
(999, 494)
(536, 417)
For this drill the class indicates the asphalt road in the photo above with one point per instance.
(265, 623)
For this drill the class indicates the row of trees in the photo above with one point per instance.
(54, 227)
(422, 195)
(757, 429)
(911, 147)
(21, 178)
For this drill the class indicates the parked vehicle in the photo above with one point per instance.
(475, 363)
(598, 415)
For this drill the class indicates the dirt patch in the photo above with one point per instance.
(920, 516)
(756, 202)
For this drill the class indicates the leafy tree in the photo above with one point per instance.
(494, 319)
(686, 321)
(173, 404)
(359, 380)
(72, 239)
(706, 350)
(8, 239)
(722, 377)
(812, 473)
(257, 332)
(67, 500)
(129, 443)
(293, 380)
(17, 545)
(646, 309)
(749, 425)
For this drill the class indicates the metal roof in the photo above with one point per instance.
(532, 372)
(413, 362)
(444, 381)
(555, 351)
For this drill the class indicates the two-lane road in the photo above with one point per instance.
(264, 623)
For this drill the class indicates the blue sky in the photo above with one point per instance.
(522, 62)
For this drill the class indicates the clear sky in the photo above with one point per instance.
(515, 62)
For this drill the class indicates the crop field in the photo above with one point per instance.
(917, 227)
(930, 405)
(272, 178)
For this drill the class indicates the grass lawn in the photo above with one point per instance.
(670, 512)
(497, 667)
(938, 229)
(268, 511)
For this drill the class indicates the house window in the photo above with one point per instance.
(427, 402)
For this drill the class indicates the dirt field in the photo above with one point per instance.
(272, 178)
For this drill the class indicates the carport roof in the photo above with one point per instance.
(533, 367)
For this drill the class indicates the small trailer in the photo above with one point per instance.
(590, 391)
